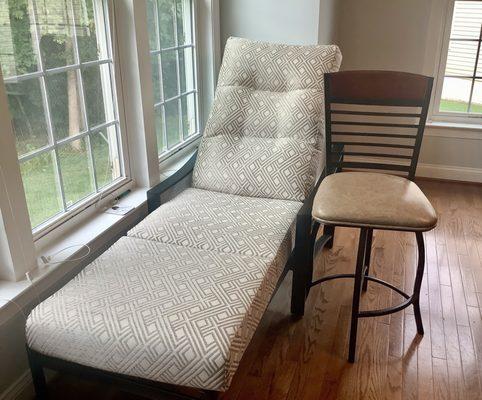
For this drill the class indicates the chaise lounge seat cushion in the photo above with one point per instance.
(223, 222)
(177, 300)
(158, 311)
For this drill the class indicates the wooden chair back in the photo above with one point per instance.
(375, 120)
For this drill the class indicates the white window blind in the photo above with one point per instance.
(462, 82)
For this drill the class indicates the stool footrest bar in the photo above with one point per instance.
(385, 311)
(368, 277)
(372, 313)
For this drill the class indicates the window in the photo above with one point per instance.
(173, 60)
(460, 89)
(57, 67)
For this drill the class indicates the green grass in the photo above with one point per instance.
(41, 189)
(459, 106)
(38, 174)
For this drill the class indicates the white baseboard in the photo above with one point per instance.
(21, 389)
(449, 172)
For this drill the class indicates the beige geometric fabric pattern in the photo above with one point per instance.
(178, 300)
(162, 312)
(265, 133)
(222, 222)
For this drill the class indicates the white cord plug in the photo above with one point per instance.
(45, 259)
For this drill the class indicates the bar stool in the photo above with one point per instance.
(389, 108)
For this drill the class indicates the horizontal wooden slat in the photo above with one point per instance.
(358, 154)
(375, 134)
(395, 146)
(413, 126)
(366, 165)
(376, 114)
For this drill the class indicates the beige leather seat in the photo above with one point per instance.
(365, 199)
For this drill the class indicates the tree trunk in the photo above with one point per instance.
(73, 95)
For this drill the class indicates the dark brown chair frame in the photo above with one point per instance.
(378, 88)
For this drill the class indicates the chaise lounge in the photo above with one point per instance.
(177, 300)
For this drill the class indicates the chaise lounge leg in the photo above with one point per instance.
(211, 395)
(360, 262)
(303, 264)
(298, 291)
(329, 230)
(418, 282)
(38, 376)
(368, 253)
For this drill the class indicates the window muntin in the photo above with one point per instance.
(461, 91)
(58, 71)
(173, 60)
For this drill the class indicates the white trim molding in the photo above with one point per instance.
(17, 252)
(449, 172)
(132, 42)
(209, 54)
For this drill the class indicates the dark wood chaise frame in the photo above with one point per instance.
(299, 262)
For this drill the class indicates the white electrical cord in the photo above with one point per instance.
(47, 260)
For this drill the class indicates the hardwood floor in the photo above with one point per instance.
(306, 359)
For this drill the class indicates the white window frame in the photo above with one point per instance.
(128, 36)
(184, 141)
(112, 104)
(435, 114)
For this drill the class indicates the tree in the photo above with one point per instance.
(56, 47)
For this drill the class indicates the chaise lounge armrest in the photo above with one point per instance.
(154, 194)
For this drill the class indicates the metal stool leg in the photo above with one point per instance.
(360, 262)
(368, 253)
(418, 282)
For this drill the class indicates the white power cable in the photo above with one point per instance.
(47, 260)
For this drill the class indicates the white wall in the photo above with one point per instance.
(376, 34)
(284, 21)
(405, 35)
(327, 22)
(399, 35)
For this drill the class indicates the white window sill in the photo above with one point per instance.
(454, 130)
(96, 231)
(455, 125)
(175, 161)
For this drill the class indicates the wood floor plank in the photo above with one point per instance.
(435, 301)
(469, 363)
(424, 349)
(456, 385)
(410, 361)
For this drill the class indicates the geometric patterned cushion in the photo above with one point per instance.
(222, 222)
(265, 133)
(158, 311)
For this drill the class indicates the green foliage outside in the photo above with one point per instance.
(40, 184)
(27, 106)
(18, 56)
(459, 106)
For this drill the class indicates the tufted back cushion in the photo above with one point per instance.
(265, 133)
